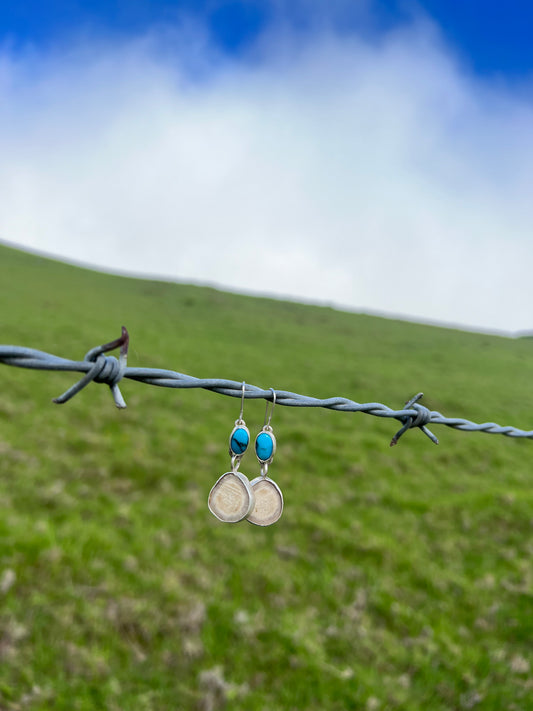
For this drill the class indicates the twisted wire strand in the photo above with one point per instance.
(109, 370)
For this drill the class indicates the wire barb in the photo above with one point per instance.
(106, 369)
(421, 419)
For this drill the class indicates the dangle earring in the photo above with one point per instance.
(268, 497)
(231, 499)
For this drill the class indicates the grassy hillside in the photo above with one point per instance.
(396, 579)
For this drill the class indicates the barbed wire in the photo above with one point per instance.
(109, 370)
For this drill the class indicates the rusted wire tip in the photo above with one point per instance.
(103, 369)
(122, 343)
(407, 424)
(125, 338)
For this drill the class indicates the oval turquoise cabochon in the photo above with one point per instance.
(264, 446)
(239, 440)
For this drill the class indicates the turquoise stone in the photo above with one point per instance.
(264, 446)
(239, 441)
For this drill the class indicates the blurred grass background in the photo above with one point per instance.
(396, 578)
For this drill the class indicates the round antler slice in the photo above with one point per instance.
(268, 502)
(231, 499)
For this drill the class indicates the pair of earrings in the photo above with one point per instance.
(233, 497)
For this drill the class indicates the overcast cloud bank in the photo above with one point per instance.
(374, 174)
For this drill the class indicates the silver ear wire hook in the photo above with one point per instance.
(268, 497)
(240, 420)
(266, 424)
(231, 498)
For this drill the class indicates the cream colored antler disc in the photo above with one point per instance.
(231, 499)
(268, 502)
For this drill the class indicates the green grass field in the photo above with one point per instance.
(396, 578)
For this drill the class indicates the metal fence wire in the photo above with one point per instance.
(109, 370)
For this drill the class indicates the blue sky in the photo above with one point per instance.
(376, 155)
(491, 37)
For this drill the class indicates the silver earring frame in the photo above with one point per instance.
(268, 497)
(231, 498)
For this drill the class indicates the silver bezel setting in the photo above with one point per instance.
(248, 488)
(239, 425)
(262, 479)
(268, 430)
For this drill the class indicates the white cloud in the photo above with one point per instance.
(371, 173)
